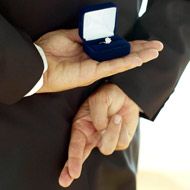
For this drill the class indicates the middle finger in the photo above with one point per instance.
(110, 137)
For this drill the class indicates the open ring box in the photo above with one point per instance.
(97, 28)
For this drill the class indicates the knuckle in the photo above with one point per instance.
(106, 99)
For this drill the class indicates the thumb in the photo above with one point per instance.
(74, 35)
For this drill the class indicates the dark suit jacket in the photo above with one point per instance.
(34, 130)
(149, 86)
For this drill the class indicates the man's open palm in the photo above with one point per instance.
(70, 67)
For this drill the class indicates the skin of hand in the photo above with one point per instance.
(70, 67)
(108, 120)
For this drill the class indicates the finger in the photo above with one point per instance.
(146, 55)
(124, 139)
(108, 68)
(138, 41)
(94, 139)
(128, 129)
(65, 179)
(138, 46)
(110, 136)
(76, 151)
(126, 135)
(99, 104)
(92, 71)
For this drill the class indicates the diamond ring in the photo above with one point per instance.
(107, 41)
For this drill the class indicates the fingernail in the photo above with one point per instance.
(117, 119)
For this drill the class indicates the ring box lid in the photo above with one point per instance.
(98, 21)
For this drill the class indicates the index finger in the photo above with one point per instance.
(65, 179)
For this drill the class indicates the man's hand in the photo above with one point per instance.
(108, 120)
(69, 67)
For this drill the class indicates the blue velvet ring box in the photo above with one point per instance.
(97, 28)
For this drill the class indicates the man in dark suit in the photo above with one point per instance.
(34, 131)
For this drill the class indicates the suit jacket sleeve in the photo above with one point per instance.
(151, 85)
(21, 65)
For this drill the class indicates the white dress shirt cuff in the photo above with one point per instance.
(39, 84)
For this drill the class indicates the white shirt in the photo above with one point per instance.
(39, 84)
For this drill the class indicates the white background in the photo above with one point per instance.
(165, 144)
